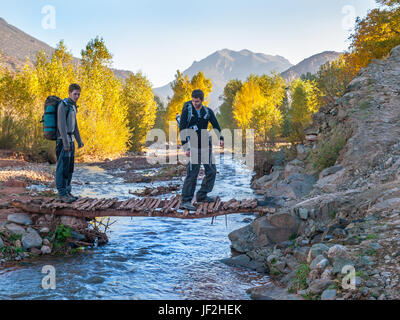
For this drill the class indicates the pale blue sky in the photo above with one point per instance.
(159, 37)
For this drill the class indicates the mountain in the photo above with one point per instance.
(310, 65)
(225, 65)
(16, 46)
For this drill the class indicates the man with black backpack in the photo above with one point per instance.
(67, 132)
(194, 123)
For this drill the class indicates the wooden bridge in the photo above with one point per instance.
(139, 207)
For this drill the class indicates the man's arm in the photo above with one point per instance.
(184, 125)
(215, 124)
(62, 125)
(78, 135)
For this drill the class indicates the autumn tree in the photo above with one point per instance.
(142, 108)
(225, 116)
(102, 116)
(374, 36)
(304, 102)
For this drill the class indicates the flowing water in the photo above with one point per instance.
(146, 258)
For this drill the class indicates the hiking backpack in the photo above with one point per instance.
(190, 113)
(49, 118)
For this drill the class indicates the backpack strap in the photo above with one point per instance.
(190, 112)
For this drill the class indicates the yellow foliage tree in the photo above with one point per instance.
(142, 108)
(102, 117)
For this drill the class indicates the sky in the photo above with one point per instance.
(159, 37)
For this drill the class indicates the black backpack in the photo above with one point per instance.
(49, 118)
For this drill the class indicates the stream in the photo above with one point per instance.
(146, 258)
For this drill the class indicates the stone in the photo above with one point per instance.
(18, 244)
(300, 254)
(340, 262)
(15, 229)
(35, 251)
(45, 250)
(1, 243)
(271, 292)
(330, 171)
(46, 242)
(316, 250)
(303, 213)
(242, 240)
(44, 230)
(337, 251)
(316, 261)
(319, 285)
(329, 294)
(31, 239)
(20, 218)
(327, 274)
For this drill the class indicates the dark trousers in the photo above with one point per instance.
(207, 185)
(65, 167)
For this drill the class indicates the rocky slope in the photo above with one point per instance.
(317, 223)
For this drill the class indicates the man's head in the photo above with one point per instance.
(197, 98)
(74, 92)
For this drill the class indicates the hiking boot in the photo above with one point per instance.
(187, 206)
(73, 197)
(206, 199)
(66, 199)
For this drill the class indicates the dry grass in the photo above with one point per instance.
(32, 174)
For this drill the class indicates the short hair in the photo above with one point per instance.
(74, 87)
(198, 94)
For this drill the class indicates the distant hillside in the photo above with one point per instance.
(311, 65)
(225, 65)
(16, 46)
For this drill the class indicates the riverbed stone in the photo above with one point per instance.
(45, 250)
(319, 285)
(20, 218)
(329, 294)
(31, 239)
(15, 229)
(316, 261)
(271, 292)
(316, 250)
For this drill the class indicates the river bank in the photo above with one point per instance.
(148, 247)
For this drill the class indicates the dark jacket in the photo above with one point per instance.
(201, 122)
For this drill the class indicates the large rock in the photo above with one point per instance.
(268, 181)
(271, 292)
(31, 239)
(20, 218)
(276, 228)
(15, 229)
(295, 186)
(244, 261)
(319, 285)
(242, 240)
(330, 182)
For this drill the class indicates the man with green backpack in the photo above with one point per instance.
(60, 124)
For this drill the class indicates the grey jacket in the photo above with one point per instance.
(68, 127)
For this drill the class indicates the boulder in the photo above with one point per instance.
(329, 294)
(277, 228)
(31, 239)
(20, 218)
(294, 186)
(319, 285)
(316, 250)
(15, 229)
(242, 240)
(271, 292)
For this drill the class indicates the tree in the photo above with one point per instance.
(374, 36)
(102, 115)
(182, 89)
(305, 101)
(225, 116)
(142, 108)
